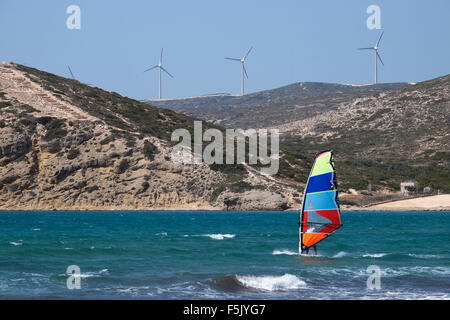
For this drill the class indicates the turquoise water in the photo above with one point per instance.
(221, 255)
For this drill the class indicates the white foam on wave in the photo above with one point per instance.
(161, 234)
(16, 243)
(272, 283)
(423, 256)
(374, 255)
(340, 254)
(91, 274)
(219, 236)
(284, 251)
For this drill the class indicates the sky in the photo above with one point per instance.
(292, 41)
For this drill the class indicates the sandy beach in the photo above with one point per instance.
(438, 202)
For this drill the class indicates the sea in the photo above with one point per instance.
(221, 255)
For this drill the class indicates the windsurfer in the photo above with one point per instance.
(315, 249)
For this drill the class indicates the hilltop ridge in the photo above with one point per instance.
(269, 107)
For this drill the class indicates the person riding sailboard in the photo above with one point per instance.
(320, 213)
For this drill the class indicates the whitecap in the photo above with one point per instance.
(90, 274)
(272, 283)
(374, 255)
(286, 252)
(423, 256)
(219, 236)
(161, 234)
(340, 254)
(15, 243)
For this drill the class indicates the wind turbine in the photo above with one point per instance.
(73, 77)
(377, 56)
(242, 61)
(160, 67)
(71, 73)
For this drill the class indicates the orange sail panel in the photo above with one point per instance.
(320, 214)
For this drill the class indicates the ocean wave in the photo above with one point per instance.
(285, 282)
(374, 255)
(286, 252)
(135, 291)
(93, 274)
(16, 243)
(387, 272)
(341, 254)
(218, 236)
(424, 256)
(263, 283)
(161, 234)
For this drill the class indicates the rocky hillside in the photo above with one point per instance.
(65, 145)
(271, 107)
(381, 139)
(382, 135)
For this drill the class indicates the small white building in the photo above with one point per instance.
(409, 187)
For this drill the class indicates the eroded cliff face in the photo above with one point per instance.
(55, 155)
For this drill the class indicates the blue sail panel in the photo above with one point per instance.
(321, 182)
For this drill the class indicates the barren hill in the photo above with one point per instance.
(382, 134)
(65, 145)
(382, 138)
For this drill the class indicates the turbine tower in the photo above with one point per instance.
(242, 61)
(70, 70)
(73, 77)
(377, 56)
(160, 67)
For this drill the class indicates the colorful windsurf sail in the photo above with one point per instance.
(320, 214)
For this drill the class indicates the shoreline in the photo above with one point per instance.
(431, 203)
(352, 209)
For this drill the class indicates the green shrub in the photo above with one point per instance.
(108, 139)
(27, 122)
(27, 108)
(73, 153)
(123, 166)
(92, 189)
(149, 150)
(4, 104)
(145, 186)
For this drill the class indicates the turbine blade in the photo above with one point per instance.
(162, 68)
(73, 77)
(380, 38)
(245, 71)
(151, 68)
(160, 58)
(380, 58)
(245, 57)
(234, 59)
(365, 48)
